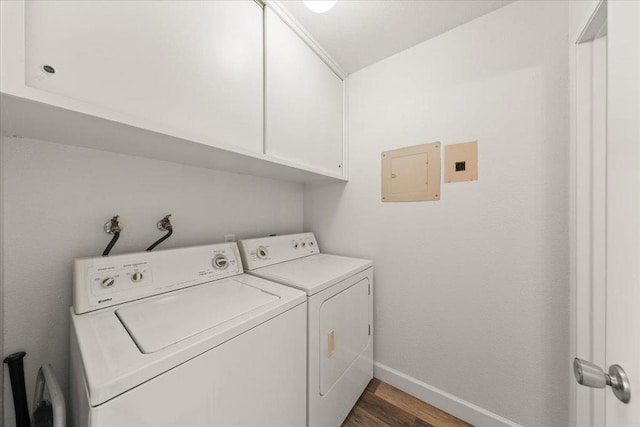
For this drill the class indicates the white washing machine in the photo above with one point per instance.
(183, 338)
(340, 337)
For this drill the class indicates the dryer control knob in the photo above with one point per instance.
(108, 282)
(136, 277)
(262, 252)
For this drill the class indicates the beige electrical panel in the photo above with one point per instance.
(411, 174)
(461, 162)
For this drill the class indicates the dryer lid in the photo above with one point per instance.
(161, 322)
(314, 273)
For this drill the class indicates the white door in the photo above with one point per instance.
(623, 205)
(616, 258)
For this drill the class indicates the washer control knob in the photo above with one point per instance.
(136, 277)
(304, 244)
(295, 245)
(220, 262)
(262, 252)
(311, 243)
(108, 282)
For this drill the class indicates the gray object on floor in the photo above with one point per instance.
(48, 413)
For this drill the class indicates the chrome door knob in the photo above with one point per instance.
(590, 375)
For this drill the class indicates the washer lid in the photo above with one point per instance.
(112, 362)
(314, 273)
(158, 323)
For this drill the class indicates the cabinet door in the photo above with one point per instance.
(303, 101)
(192, 66)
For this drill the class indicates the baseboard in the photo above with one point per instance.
(447, 402)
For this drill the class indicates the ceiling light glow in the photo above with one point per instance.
(320, 6)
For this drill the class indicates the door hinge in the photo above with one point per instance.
(369, 289)
(369, 329)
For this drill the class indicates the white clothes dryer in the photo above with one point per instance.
(340, 317)
(183, 338)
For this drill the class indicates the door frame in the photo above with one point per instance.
(588, 212)
(623, 204)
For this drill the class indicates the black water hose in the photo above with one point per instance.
(16, 373)
(162, 239)
(113, 241)
(114, 227)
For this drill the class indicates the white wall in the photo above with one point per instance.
(472, 292)
(58, 197)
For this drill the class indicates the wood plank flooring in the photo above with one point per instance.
(382, 405)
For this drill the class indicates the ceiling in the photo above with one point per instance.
(357, 33)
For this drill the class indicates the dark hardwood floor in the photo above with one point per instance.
(382, 405)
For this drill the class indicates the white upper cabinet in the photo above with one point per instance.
(194, 66)
(303, 101)
(181, 81)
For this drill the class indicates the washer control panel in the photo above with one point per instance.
(105, 281)
(266, 251)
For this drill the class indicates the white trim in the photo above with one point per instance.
(286, 16)
(2, 270)
(9, 35)
(264, 81)
(587, 219)
(573, 288)
(590, 221)
(447, 402)
(345, 128)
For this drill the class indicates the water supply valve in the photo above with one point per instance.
(113, 225)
